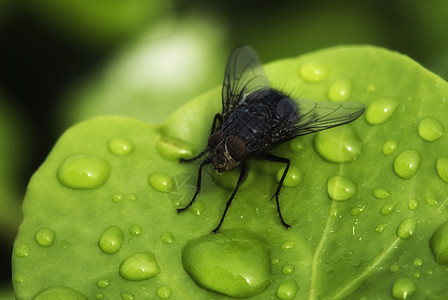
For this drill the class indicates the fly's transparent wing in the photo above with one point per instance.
(244, 75)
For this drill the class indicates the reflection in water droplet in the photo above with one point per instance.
(171, 149)
(22, 250)
(418, 262)
(293, 178)
(381, 193)
(103, 283)
(111, 240)
(127, 296)
(287, 290)
(439, 244)
(167, 238)
(340, 188)
(118, 197)
(380, 228)
(313, 72)
(139, 266)
(413, 204)
(407, 228)
(406, 163)
(338, 145)
(403, 288)
(135, 229)
(340, 90)
(164, 292)
(430, 129)
(161, 182)
(388, 208)
(390, 147)
(120, 146)
(60, 292)
(288, 269)
(83, 171)
(442, 168)
(45, 237)
(380, 111)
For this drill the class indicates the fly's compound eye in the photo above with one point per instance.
(215, 139)
(236, 147)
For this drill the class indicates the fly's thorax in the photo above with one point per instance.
(228, 151)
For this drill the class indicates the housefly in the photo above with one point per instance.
(256, 118)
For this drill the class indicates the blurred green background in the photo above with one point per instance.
(65, 61)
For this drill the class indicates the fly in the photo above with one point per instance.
(256, 118)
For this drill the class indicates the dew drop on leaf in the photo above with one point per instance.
(407, 228)
(338, 145)
(313, 72)
(413, 204)
(296, 145)
(388, 208)
(288, 269)
(288, 245)
(117, 197)
(171, 149)
(356, 211)
(99, 296)
(380, 111)
(403, 288)
(120, 146)
(439, 244)
(161, 182)
(127, 296)
(139, 266)
(431, 201)
(394, 268)
(111, 240)
(83, 171)
(430, 129)
(197, 208)
(442, 168)
(340, 188)
(380, 228)
(381, 193)
(164, 292)
(131, 197)
(287, 290)
(22, 250)
(45, 237)
(167, 238)
(293, 178)
(418, 262)
(406, 163)
(389, 147)
(60, 292)
(135, 230)
(103, 283)
(340, 90)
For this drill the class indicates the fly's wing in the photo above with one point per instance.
(244, 75)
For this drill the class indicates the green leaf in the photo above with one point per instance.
(368, 211)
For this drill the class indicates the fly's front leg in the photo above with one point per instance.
(217, 122)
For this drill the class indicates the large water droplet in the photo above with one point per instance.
(389, 147)
(381, 193)
(22, 250)
(83, 171)
(164, 292)
(313, 72)
(406, 163)
(442, 168)
(430, 129)
(338, 144)
(45, 237)
(171, 149)
(120, 146)
(139, 266)
(111, 240)
(234, 262)
(287, 290)
(293, 178)
(340, 90)
(403, 288)
(388, 208)
(380, 111)
(407, 228)
(340, 188)
(161, 182)
(60, 292)
(439, 244)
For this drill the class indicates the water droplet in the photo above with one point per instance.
(99, 296)
(381, 193)
(111, 240)
(164, 292)
(406, 163)
(388, 208)
(389, 147)
(127, 296)
(197, 208)
(171, 149)
(442, 168)
(293, 178)
(139, 266)
(340, 188)
(407, 228)
(288, 269)
(287, 290)
(228, 180)
(340, 90)
(45, 237)
(413, 204)
(370, 88)
(417, 274)
(135, 229)
(296, 145)
(430, 129)
(83, 171)
(22, 250)
(167, 238)
(431, 201)
(131, 197)
(288, 245)
(333, 212)
(233, 262)
(380, 111)
(120, 146)
(313, 72)
(356, 211)
(60, 292)
(118, 197)
(161, 182)
(418, 262)
(403, 288)
(19, 277)
(338, 144)
(439, 244)
(103, 283)
(394, 268)
(380, 228)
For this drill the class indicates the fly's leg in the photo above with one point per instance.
(198, 185)
(241, 178)
(286, 161)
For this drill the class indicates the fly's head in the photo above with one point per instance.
(227, 151)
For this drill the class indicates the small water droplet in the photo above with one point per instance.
(431, 201)
(164, 292)
(417, 274)
(340, 188)
(418, 262)
(99, 296)
(103, 283)
(296, 145)
(131, 197)
(406, 163)
(442, 168)
(380, 111)
(120, 146)
(370, 88)
(83, 171)
(135, 229)
(340, 90)
(394, 268)
(380, 228)
(22, 250)
(439, 244)
(288, 245)
(233, 262)
(45, 237)
(388, 208)
(389, 147)
(167, 238)
(288, 269)
(287, 290)
(333, 212)
(139, 266)
(171, 149)
(356, 211)
(313, 72)
(403, 288)
(197, 208)
(407, 228)
(111, 240)
(60, 292)
(430, 129)
(127, 296)
(118, 197)
(381, 193)
(338, 145)
(19, 277)
(413, 204)
(293, 178)
(161, 182)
